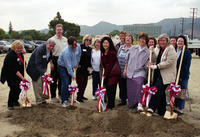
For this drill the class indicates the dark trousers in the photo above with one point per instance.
(122, 90)
(158, 101)
(96, 82)
(81, 80)
(56, 79)
(13, 94)
(111, 92)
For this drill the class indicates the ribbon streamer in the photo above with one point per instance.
(147, 92)
(100, 93)
(72, 90)
(24, 86)
(48, 80)
(173, 91)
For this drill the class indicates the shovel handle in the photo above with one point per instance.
(149, 72)
(179, 69)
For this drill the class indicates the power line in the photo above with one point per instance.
(182, 25)
(193, 11)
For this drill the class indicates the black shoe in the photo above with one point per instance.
(122, 104)
(134, 110)
(44, 102)
(179, 113)
(80, 100)
(10, 108)
(84, 98)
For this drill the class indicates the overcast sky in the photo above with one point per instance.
(36, 14)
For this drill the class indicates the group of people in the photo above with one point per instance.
(123, 64)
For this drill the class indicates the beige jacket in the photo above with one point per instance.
(167, 64)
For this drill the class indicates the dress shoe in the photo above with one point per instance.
(84, 98)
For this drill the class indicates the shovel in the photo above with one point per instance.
(148, 85)
(26, 101)
(171, 114)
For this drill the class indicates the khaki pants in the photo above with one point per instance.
(38, 89)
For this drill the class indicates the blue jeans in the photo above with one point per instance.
(179, 103)
(66, 80)
(96, 82)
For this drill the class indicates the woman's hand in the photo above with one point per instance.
(149, 64)
(124, 73)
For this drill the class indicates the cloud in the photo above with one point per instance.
(29, 14)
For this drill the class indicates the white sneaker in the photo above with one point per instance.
(139, 107)
(94, 97)
(64, 104)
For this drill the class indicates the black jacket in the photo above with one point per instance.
(85, 60)
(37, 64)
(11, 65)
(185, 68)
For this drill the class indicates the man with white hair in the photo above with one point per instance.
(37, 66)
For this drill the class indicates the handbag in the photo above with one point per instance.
(116, 70)
(182, 94)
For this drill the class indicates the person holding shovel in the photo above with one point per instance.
(13, 72)
(164, 66)
(111, 68)
(135, 70)
(185, 72)
(37, 67)
(67, 61)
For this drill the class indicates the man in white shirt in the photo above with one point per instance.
(61, 43)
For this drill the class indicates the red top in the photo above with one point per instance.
(108, 62)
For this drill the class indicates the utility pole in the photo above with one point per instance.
(193, 11)
(174, 30)
(182, 25)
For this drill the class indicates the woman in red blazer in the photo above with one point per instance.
(108, 59)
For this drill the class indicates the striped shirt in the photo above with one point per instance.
(137, 62)
(121, 54)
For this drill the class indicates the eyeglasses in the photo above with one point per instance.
(88, 40)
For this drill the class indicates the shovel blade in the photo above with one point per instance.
(168, 115)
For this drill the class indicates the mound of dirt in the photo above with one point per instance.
(51, 120)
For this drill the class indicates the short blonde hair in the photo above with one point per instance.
(97, 40)
(164, 36)
(59, 25)
(16, 44)
(85, 37)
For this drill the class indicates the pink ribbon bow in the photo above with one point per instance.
(100, 93)
(48, 80)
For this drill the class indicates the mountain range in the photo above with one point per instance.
(171, 26)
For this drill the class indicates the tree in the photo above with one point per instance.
(10, 28)
(3, 34)
(15, 35)
(70, 29)
(114, 32)
(30, 35)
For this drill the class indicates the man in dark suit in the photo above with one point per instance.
(37, 66)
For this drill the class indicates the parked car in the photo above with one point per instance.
(28, 46)
(6, 45)
(1, 48)
(33, 43)
(39, 42)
